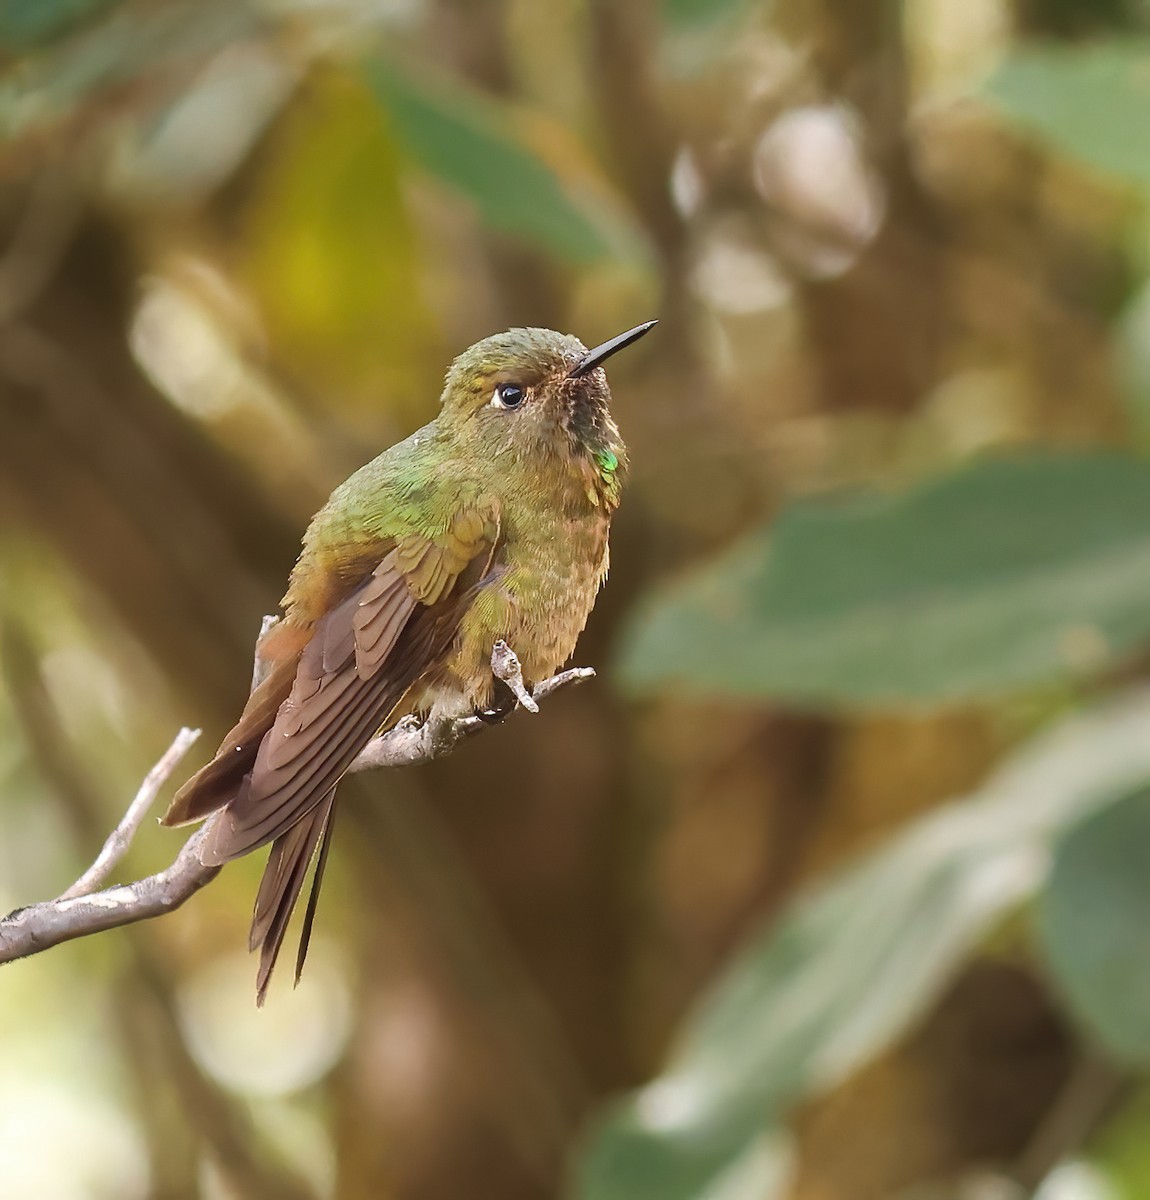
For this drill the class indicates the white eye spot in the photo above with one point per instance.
(508, 395)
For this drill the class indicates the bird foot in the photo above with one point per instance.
(504, 706)
(505, 666)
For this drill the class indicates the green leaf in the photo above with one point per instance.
(28, 23)
(471, 143)
(855, 961)
(1121, 1150)
(1008, 574)
(1130, 347)
(329, 248)
(126, 47)
(1088, 101)
(1094, 925)
(693, 14)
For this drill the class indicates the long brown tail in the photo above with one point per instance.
(281, 885)
(332, 686)
(217, 784)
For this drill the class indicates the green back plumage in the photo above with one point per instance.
(560, 449)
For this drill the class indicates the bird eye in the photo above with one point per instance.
(508, 395)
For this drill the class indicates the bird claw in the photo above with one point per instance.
(494, 716)
(505, 666)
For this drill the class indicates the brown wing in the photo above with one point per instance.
(361, 660)
(363, 657)
(216, 783)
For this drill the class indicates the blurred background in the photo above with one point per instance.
(835, 884)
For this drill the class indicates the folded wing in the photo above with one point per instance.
(276, 783)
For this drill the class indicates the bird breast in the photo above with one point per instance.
(553, 563)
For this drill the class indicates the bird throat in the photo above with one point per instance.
(595, 436)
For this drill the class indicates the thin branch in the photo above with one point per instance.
(259, 667)
(41, 926)
(121, 837)
(144, 1007)
(411, 742)
(1088, 1097)
(38, 927)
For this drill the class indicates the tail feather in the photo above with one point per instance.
(280, 889)
(313, 895)
(218, 785)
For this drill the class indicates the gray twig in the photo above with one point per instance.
(121, 837)
(412, 741)
(40, 926)
(259, 667)
(1089, 1095)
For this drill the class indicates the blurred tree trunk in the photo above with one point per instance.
(878, 328)
(101, 468)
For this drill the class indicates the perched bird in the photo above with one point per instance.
(490, 523)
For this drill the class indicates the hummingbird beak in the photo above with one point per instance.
(598, 356)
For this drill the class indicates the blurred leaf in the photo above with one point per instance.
(689, 14)
(1122, 1150)
(854, 961)
(127, 47)
(1094, 924)
(1090, 101)
(28, 23)
(750, 1161)
(764, 1171)
(1131, 350)
(1004, 575)
(471, 143)
(332, 256)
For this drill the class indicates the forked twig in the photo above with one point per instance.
(118, 841)
(82, 910)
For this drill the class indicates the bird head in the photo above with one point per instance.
(535, 392)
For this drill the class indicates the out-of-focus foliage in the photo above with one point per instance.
(1009, 574)
(1090, 102)
(832, 886)
(25, 24)
(466, 142)
(1091, 927)
(859, 956)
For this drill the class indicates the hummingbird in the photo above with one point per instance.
(488, 524)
